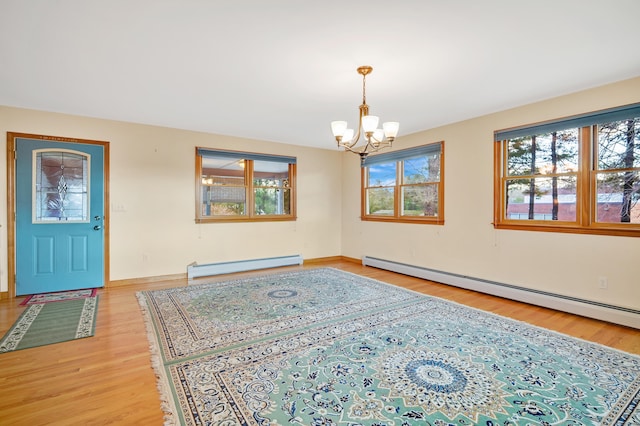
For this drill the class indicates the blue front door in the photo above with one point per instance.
(59, 242)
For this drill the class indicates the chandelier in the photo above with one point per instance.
(374, 139)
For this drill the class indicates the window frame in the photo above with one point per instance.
(586, 191)
(399, 156)
(249, 158)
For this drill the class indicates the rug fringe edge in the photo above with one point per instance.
(164, 388)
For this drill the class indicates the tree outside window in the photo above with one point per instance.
(580, 174)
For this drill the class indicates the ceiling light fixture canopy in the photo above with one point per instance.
(374, 139)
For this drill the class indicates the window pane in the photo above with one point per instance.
(222, 163)
(223, 187)
(383, 174)
(380, 201)
(223, 201)
(270, 174)
(271, 201)
(619, 145)
(222, 171)
(422, 169)
(618, 197)
(420, 200)
(271, 188)
(541, 199)
(555, 152)
(61, 187)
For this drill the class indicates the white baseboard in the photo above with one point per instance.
(194, 270)
(587, 308)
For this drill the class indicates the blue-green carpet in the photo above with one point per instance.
(326, 347)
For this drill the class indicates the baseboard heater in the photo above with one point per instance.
(587, 308)
(194, 270)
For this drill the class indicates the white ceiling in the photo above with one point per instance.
(282, 70)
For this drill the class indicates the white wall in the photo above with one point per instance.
(152, 183)
(568, 264)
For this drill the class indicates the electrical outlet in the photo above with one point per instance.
(604, 282)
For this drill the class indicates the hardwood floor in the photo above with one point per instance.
(108, 379)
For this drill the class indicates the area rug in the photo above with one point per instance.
(47, 323)
(59, 296)
(326, 347)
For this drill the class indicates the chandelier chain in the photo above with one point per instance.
(364, 89)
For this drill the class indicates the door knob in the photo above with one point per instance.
(97, 228)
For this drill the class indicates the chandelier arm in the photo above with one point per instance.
(361, 150)
(364, 109)
(350, 149)
(367, 148)
(349, 145)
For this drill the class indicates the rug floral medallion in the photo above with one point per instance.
(326, 347)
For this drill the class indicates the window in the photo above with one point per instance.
(238, 186)
(580, 174)
(405, 185)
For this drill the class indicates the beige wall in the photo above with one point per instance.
(568, 264)
(153, 231)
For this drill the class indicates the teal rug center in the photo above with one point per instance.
(436, 376)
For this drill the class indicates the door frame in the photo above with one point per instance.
(11, 201)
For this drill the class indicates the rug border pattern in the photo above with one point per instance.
(20, 328)
(29, 298)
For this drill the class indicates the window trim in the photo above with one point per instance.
(586, 201)
(399, 156)
(249, 158)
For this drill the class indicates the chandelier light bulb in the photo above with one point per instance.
(378, 135)
(391, 129)
(369, 123)
(347, 136)
(338, 128)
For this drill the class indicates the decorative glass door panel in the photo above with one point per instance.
(61, 186)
